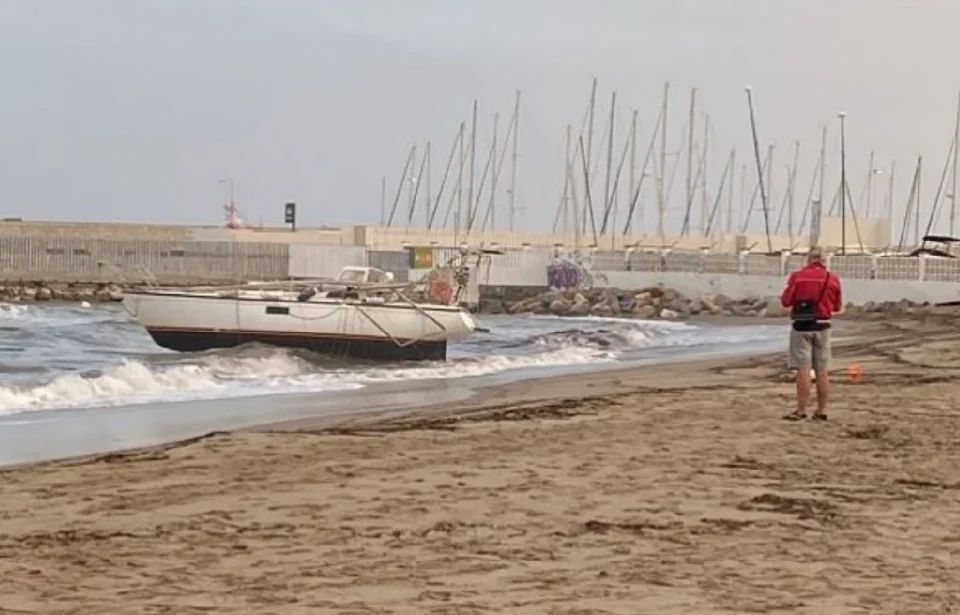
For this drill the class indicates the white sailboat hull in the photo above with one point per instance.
(191, 321)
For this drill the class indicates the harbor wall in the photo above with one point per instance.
(870, 234)
(66, 260)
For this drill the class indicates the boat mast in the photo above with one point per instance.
(458, 217)
(690, 125)
(704, 206)
(661, 189)
(756, 155)
(870, 174)
(632, 175)
(383, 200)
(495, 172)
(818, 206)
(733, 172)
(953, 191)
(606, 187)
(473, 165)
(513, 166)
(587, 154)
(893, 170)
(793, 189)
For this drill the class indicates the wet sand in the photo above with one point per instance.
(671, 489)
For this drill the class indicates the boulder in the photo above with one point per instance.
(645, 312)
(560, 307)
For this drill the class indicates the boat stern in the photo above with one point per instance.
(468, 321)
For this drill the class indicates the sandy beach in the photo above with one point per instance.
(667, 490)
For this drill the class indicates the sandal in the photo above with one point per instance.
(796, 415)
(819, 416)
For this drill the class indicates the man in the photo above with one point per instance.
(813, 295)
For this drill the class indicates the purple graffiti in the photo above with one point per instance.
(563, 275)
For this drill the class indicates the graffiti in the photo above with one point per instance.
(567, 274)
(563, 275)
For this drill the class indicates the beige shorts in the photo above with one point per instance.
(810, 349)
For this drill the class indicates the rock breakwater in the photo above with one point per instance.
(669, 304)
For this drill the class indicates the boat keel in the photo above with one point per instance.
(361, 348)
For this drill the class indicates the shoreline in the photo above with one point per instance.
(78, 430)
(669, 489)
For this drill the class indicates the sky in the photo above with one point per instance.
(136, 110)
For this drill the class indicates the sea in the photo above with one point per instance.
(81, 378)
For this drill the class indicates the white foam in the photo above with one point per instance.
(278, 371)
(136, 382)
(13, 310)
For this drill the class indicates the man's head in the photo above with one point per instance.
(815, 255)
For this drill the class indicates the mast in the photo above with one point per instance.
(743, 195)
(566, 181)
(661, 189)
(495, 170)
(383, 200)
(893, 169)
(793, 189)
(870, 173)
(770, 150)
(589, 149)
(756, 155)
(473, 164)
(426, 208)
(458, 217)
(818, 206)
(704, 206)
(690, 125)
(733, 171)
(403, 181)
(513, 165)
(607, 199)
(633, 155)
(953, 191)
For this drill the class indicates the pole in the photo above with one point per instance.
(893, 169)
(606, 185)
(843, 182)
(756, 155)
(733, 172)
(690, 124)
(661, 192)
(704, 206)
(473, 163)
(953, 192)
(383, 200)
(588, 154)
(513, 169)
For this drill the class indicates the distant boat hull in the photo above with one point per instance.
(190, 322)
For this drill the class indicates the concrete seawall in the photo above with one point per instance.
(26, 260)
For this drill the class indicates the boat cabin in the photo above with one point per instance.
(364, 275)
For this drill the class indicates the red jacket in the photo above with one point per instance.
(806, 284)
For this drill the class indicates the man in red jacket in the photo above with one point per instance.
(813, 295)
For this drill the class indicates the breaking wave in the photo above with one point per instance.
(129, 369)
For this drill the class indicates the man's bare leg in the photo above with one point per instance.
(823, 392)
(803, 388)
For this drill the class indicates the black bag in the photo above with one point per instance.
(804, 313)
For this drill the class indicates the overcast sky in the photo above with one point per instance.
(134, 109)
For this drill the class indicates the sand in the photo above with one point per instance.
(665, 490)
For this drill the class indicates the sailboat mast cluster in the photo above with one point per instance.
(618, 179)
